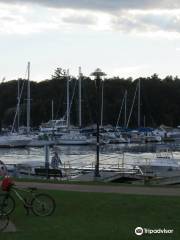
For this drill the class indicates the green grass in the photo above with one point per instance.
(89, 216)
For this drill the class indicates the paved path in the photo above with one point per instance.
(159, 191)
(10, 228)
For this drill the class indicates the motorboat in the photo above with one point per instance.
(54, 126)
(163, 165)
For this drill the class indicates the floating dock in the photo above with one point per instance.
(110, 176)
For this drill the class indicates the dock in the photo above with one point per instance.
(110, 176)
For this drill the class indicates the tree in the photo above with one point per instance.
(160, 99)
(59, 73)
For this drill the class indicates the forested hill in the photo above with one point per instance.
(160, 100)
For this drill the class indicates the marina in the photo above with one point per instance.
(89, 120)
(57, 149)
(60, 149)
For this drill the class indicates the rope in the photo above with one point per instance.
(120, 111)
(132, 107)
(19, 101)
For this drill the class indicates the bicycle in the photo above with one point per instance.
(40, 204)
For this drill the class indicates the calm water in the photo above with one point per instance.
(84, 156)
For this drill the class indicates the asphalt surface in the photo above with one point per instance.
(158, 191)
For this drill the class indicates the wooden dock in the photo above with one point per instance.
(110, 176)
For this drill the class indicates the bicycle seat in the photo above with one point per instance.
(32, 188)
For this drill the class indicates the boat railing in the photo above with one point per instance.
(16, 169)
(117, 166)
(86, 163)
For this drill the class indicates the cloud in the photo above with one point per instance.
(80, 19)
(147, 21)
(127, 16)
(22, 20)
(103, 5)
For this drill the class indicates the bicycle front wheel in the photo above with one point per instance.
(4, 221)
(43, 205)
(7, 204)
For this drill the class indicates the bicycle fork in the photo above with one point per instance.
(26, 204)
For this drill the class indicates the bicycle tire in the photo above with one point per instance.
(4, 221)
(43, 205)
(7, 204)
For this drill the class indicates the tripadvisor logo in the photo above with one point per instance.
(140, 231)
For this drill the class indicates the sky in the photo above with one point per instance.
(125, 38)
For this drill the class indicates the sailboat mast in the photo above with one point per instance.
(125, 109)
(144, 121)
(67, 110)
(139, 104)
(80, 95)
(18, 105)
(52, 109)
(28, 100)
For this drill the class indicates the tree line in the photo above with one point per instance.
(160, 100)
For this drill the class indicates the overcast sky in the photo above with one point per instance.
(123, 37)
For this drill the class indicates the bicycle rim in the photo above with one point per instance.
(43, 205)
(4, 221)
(7, 204)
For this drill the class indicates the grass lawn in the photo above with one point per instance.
(91, 216)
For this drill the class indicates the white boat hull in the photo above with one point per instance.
(73, 142)
(8, 141)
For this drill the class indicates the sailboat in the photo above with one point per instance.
(57, 126)
(73, 136)
(14, 139)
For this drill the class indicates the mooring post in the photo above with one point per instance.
(46, 147)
